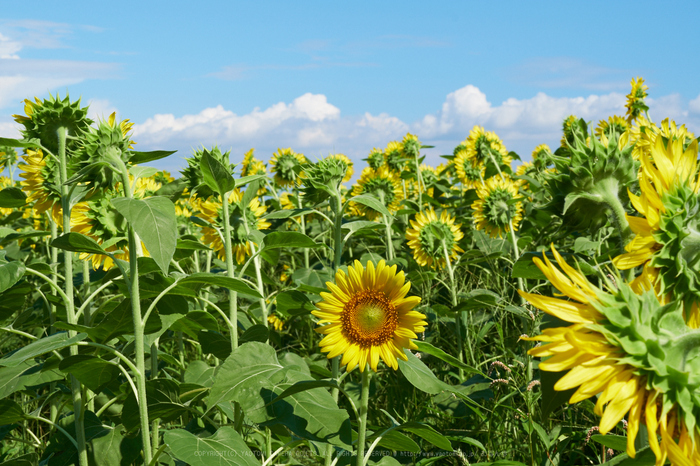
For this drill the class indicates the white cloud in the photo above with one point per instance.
(694, 105)
(9, 48)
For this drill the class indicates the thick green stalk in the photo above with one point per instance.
(362, 422)
(258, 273)
(154, 374)
(458, 315)
(76, 388)
(228, 252)
(232, 297)
(419, 178)
(303, 227)
(337, 204)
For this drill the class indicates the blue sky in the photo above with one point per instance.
(324, 77)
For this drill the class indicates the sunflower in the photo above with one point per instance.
(410, 146)
(212, 211)
(427, 236)
(614, 125)
(668, 236)
(525, 169)
(643, 134)
(485, 147)
(635, 99)
(39, 173)
(382, 183)
(284, 164)
(368, 316)
(498, 206)
(349, 171)
(393, 157)
(567, 138)
(248, 159)
(470, 175)
(375, 159)
(628, 348)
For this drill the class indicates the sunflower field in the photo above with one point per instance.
(264, 313)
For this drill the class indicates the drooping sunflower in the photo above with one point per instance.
(375, 159)
(542, 157)
(470, 175)
(426, 238)
(636, 106)
(629, 348)
(498, 206)
(212, 211)
(367, 316)
(384, 184)
(485, 147)
(284, 164)
(411, 146)
(668, 236)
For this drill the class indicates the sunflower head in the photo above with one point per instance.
(411, 146)
(636, 106)
(375, 159)
(625, 345)
(322, 179)
(668, 236)
(193, 174)
(499, 206)
(44, 118)
(366, 316)
(383, 184)
(431, 237)
(248, 159)
(287, 167)
(542, 157)
(109, 142)
(469, 175)
(40, 174)
(486, 148)
(591, 178)
(613, 127)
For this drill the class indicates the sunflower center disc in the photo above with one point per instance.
(369, 318)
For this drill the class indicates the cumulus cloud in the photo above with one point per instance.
(9, 48)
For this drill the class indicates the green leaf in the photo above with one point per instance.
(244, 180)
(425, 347)
(223, 448)
(293, 303)
(12, 197)
(234, 284)
(191, 244)
(289, 239)
(10, 274)
(41, 346)
(360, 225)
(396, 441)
(645, 457)
(420, 376)
(302, 387)
(91, 371)
(285, 213)
(154, 220)
(428, 434)
(32, 143)
(255, 333)
(253, 376)
(214, 343)
(114, 449)
(477, 299)
(10, 412)
(77, 242)
(216, 175)
(552, 399)
(163, 397)
(616, 442)
(23, 375)
(372, 202)
(195, 321)
(143, 157)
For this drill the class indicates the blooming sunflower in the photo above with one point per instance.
(470, 175)
(668, 236)
(427, 236)
(368, 316)
(498, 206)
(635, 99)
(627, 347)
(384, 184)
(643, 134)
(482, 145)
(212, 211)
(283, 164)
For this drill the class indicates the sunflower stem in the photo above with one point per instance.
(458, 315)
(419, 179)
(258, 273)
(139, 324)
(302, 223)
(362, 421)
(76, 388)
